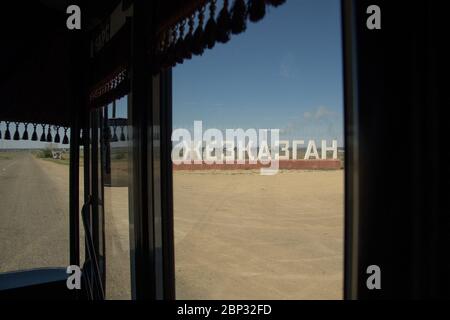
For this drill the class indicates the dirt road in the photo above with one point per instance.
(34, 220)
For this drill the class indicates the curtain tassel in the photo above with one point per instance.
(188, 40)
(256, 10)
(43, 139)
(238, 17)
(57, 137)
(197, 40)
(211, 27)
(224, 24)
(179, 50)
(66, 139)
(16, 136)
(49, 135)
(275, 3)
(25, 133)
(122, 134)
(7, 133)
(34, 136)
(114, 137)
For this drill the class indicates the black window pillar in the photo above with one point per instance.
(397, 179)
(140, 104)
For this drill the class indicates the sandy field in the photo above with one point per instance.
(240, 235)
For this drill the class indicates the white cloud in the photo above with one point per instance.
(323, 112)
(318, 113)
(315, 124)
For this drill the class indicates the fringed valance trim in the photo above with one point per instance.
(193, 34)
(48, 133)
(116, 129)
(114, 86)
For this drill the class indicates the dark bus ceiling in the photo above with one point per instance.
(39, 54)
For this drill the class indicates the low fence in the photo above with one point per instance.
(283, 165)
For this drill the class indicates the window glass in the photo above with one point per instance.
(241, 233)
(116, 188)
(34, 196)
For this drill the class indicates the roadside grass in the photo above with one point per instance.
(6, 156)
(46, 154)
(65, 162)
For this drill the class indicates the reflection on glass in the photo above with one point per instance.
(116, 188)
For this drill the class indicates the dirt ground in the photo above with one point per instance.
(240, 235)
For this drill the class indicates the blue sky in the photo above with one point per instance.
(284, 72)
